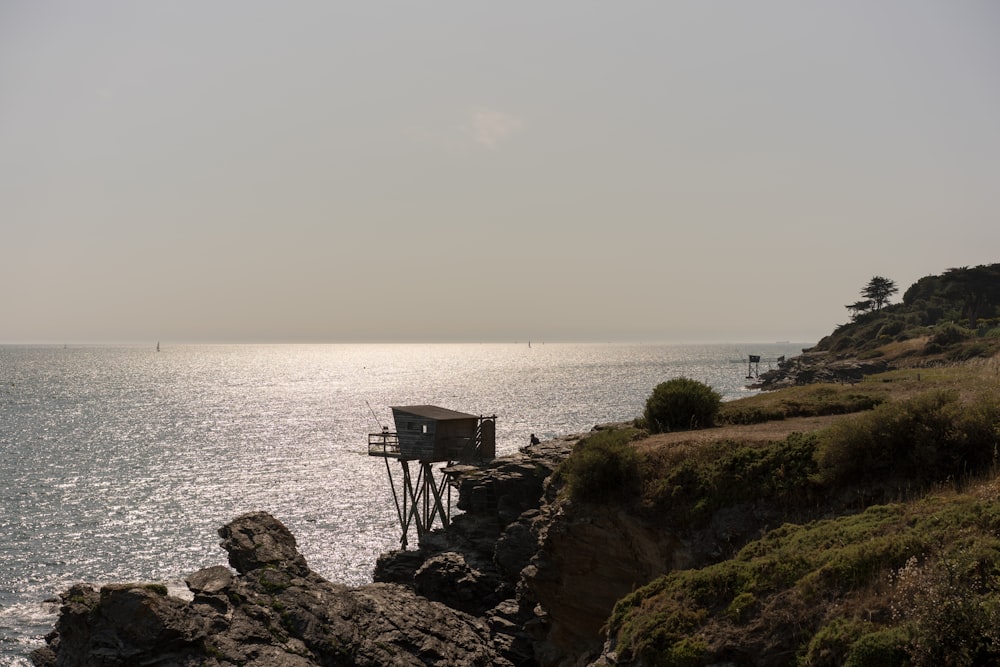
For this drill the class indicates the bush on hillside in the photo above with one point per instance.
(949, 609)
(964, 353)
(681, 403)
(929, 438)
(602, 467)
(687, 489)
(949, 334)
(755, 414)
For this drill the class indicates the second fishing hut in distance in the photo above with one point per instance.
(428, 435)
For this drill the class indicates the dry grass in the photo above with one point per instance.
(904, 348)
(970, 380)
(751, 433)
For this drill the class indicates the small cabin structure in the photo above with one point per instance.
(431, 433)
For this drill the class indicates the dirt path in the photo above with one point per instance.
(768, 431)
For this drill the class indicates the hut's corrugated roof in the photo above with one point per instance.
(433, 412)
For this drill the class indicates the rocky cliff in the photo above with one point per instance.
(814, 366)
(520, 578)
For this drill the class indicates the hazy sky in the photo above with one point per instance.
(250, 170)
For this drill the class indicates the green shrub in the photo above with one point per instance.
(741, 606)
(743, 415)
(824, 399)
(971, 351)
(728, 473)
(929, 438)
(661, 634)
(805, 401)
(933, 348)
(949, 334)
(892, 327)
(831, 643)
(845, 343)
(882, 648)
(602, 467)
(687, 652)
(681, 403)
(953, 617)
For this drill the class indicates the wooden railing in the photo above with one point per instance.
(383, 444)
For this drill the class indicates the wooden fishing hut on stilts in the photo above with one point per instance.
(428, 435)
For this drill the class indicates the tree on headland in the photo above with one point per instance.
(976, 288)
(878, 291)
(931, 309)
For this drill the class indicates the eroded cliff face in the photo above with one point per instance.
(585, 563)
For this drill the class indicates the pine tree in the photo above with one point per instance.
(878, 291)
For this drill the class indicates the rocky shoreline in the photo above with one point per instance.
(814, 366)
(462, 598)
(521, 578)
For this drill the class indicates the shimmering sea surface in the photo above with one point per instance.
(120, 463)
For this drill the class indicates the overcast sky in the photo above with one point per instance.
(467, 171)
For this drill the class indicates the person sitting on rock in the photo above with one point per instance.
(534, 440)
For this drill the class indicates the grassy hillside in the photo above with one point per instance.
(878, 538)
(886, 550)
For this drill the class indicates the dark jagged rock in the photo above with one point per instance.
(476, 565)
(448, 578)
(259, 540)
(209, 581)
(122, 624)
(274, 612)
(818, 366)
(516, 546)
(398, 567)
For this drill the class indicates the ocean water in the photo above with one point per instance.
(120, 463)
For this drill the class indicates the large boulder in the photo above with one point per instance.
(258, 540)
(122, 624)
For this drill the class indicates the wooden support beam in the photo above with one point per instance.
(419, 503)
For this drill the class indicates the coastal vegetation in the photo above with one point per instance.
(603, 467)
(681, 403)
(877, 293)
(805, 401)
(944, 318)
(877, 538)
